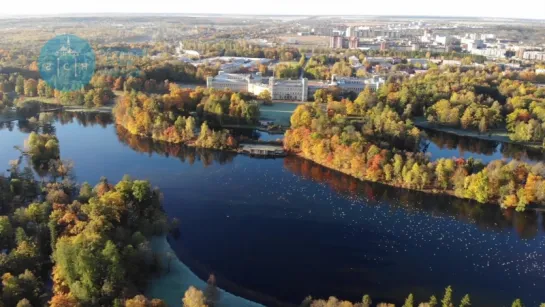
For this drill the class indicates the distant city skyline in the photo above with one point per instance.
(532, 9)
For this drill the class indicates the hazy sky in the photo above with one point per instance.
(484, 8)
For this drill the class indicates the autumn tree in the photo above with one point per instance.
(194, 298)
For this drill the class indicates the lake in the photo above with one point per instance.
(277, 230)
(446, 145)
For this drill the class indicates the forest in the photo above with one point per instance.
(482, 100)
(166, 118)
(16, 90)
(88, 238)
(334, 141)
(446, 301)
(241, 49)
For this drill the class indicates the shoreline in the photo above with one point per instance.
(171, 286)
(427, 191)
(191, 143)
(433, 191)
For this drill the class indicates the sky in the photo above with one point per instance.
(534, 9)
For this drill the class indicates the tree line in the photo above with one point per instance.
(333, 141)
(166, 118)
(16, 90)
(481, 100)
(194, 297)
(241, 49)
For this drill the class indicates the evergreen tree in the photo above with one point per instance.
(447, 298)
(409, 301)
(465, 301)
(517, 303)
(366, 301)
(433, 301)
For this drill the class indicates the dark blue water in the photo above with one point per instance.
(445, 145)
(286, 228)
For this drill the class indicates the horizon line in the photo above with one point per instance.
(101, 14)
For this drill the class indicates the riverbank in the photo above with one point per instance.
(172, 285)
(495, 135)
(427, 191)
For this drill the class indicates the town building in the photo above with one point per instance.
(235, 82)
(534, 55)
(289, 89)
(490, 52)
(336, 42)
(280, 89)
(356, 85)
(286, 89)
(382, 61)
(353, 43)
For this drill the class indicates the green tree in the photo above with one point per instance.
(265, 96)
(366, 301)
(433, 301)
(30, 88)
(141, 190)
(20, 85)
(517, 303)
(483, 126)
(85, 192)
(320, 96)
(6, 231)
(447, 298)
(190, 127)
(465, 301)
(409, 301)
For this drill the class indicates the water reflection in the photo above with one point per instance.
(446, 145)
(486, 217)
(45, 122)
(184, 153)
(85, 119)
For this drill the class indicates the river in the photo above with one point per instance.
(277, 230)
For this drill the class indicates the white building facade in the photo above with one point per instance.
(293, 90)
(280, 89)
(356, 85)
